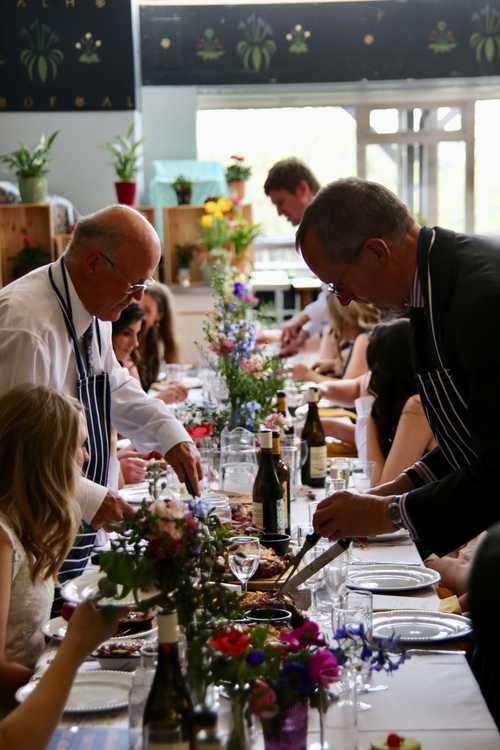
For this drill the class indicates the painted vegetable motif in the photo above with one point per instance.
(257, 49)
(42, 56)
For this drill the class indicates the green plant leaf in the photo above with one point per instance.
(489, 49)
(42, 68)
(256, 58)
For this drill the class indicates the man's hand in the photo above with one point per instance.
(185, 461)
(293, 327)
(300, 371)
(293, 344)
(133, 469)
(112, 508)
(346, 514)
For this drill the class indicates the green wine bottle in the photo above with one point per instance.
(283, 473)
(268, 504)
(282, 408)
(168, 716)
(313, 471)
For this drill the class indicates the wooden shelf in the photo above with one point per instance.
(181, 226)
(17, 221)
(148, 212)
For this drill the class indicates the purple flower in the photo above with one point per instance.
(323, 667)
(238, 289)
(255, 658)
(306, 635)
(295, 677)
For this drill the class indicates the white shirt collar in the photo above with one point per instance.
(81, 316)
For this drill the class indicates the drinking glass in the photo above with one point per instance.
(289, 456)
(244, 556)
(335, 575)
(350, 620)
(362, 474)
(337, 716)
(210, 465)
(220, 506)
(139, 690)
(338, 474)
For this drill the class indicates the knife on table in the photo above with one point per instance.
(293, 581)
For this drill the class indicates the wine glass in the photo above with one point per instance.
(244, 556)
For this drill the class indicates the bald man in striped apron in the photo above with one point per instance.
(55, 330)
(361, 239)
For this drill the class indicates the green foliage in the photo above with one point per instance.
(29, 258)
(237, 171)
(125, 154)
(31, 162)
(184, 255)
(41, 56)
(256, 49)
(242, 235)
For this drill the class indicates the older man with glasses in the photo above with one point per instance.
(55, 330)
(361, 239)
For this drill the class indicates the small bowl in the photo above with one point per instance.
(271, 615)
(277, 542)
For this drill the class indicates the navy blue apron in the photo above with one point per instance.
(94, 393)
(443, 403)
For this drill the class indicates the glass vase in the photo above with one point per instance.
(287, 730)
(238, 738)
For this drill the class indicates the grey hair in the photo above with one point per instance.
(89, 231)
(349, 211)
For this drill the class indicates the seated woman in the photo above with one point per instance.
(42, 436)
(127, 332)
(396, 432)
(342, 352)
(157, 342)
(42, 709)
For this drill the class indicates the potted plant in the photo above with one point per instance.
(126, 164)
(29, 257)
(237, 174)
(184, 257)
(242, 235)
(183, 188)
(30, 166)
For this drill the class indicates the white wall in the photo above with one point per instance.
(80, 168)
(169, 124)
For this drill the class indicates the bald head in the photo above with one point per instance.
(111, 250)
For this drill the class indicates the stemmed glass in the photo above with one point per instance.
(350, 620)
(244, 556)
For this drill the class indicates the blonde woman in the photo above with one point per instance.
(342, 352)
(42, 435)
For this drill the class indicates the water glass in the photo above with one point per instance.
(337, 715)
(338, 474)
(220, 506)
(362, 601)
(363, 474)
(289, 454)
(140, 686)
(244, 556)
(335, 575)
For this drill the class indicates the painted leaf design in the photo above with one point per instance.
(241, 47)
(479, 51)
(256, 58)
(489, 49)
(42, 68)
(475, 39)
(31, 65)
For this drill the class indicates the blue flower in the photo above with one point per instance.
(295, 676)
(238, 289)
(255, 658)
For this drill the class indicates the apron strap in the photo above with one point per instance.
(68, 319)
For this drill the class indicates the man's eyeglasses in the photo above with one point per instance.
(141, 286)
(333, 288)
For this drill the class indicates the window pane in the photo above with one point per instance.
(323, 137)
(487, 189)
(382, 164)
(384, 120)
(451, 185)
(449, 118)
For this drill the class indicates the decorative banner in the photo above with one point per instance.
(302, 43)
(66, 55)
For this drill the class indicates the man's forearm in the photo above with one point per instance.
(398, 486)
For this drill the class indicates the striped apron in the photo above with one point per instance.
(93, 392)
(443, 403)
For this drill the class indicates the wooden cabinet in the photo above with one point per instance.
(181, 226)
(18, 221)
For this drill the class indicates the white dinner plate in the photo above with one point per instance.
(85, 587)
(420, 626)
(56, 629)
(390, 577)
(101, 690)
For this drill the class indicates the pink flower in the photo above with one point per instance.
(323, 667)
(263, 700)
(237, 157)
(250, 298)
(252, 364)
(307, 634)
(28, 240)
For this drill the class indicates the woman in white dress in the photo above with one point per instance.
(42, 435)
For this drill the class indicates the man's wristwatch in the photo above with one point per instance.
(394, 513)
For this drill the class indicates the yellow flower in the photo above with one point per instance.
(225, 204)
(210, 207)
(218, 214)
(207, 221)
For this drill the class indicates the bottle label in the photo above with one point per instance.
(167, 628)
(167, 746)
(285, 504)
(317, 457)
(258, 515)
(280, 516)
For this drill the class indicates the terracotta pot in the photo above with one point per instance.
(33, 189)
(237, 189)
(125, 192)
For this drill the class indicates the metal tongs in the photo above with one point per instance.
(292, 580)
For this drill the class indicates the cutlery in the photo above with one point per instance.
(293, 581)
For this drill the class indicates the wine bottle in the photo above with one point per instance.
(268, 505)
(313, 471)
(168, 717)
(282, 408)
(283, 473)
